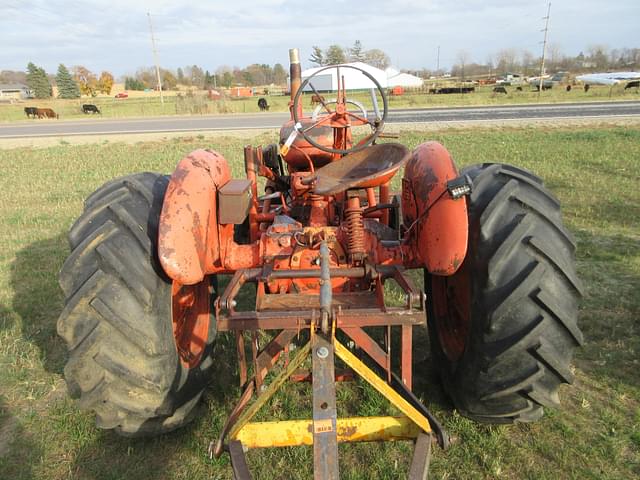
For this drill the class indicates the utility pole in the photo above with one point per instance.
(438, 61)
(155, 58)
(544, 49)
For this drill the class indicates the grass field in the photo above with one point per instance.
(596, 435)
(149, 105)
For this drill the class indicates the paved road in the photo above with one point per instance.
(50, 128)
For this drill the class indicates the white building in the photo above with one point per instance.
(395, 78)
(353, 79)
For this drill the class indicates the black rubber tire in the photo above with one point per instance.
(123, 363)
(523, 295)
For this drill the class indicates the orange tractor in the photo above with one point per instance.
(143, 305)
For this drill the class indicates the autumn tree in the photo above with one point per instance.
(317, 56)
(38, 81)
(105, 83)
(169, 80)
(67, 86)
(86, 80)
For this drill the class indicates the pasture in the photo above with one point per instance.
(148, 105)
(595, 435)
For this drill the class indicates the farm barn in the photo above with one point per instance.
(353, 79)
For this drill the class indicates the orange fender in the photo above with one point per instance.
(188, 236)
(439, 223)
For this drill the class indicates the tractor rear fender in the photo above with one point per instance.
(189, 236)
(439, 223)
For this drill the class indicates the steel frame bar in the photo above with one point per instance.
(325, 439)
(356, 317)
(381, 386)
(293, 433)
(249, 413)
(238, 461)
(419, 469)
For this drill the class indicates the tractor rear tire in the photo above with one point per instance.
(117, 320)
(503, 328)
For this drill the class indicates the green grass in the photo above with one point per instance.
(198, 105)
(596, 435)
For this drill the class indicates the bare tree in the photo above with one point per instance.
(506, 60)
(527, 59)
(462, 58)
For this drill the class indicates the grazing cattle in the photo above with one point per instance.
(519, 89)
(30, 112)
(46, 113)
(499, 90)
(263, 105)
(316, 99)
(633, 84)
(88, 108)
(568, 88)
(586, 87)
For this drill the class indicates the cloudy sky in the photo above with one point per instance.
(114, 34)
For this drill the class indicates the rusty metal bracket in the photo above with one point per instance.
(419, 469)
(325, 439)
(238, 461)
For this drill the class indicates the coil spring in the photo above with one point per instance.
(355, 229)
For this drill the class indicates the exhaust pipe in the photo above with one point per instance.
(295, 72)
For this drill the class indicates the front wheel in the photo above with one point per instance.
(140, 347)
(503, 327)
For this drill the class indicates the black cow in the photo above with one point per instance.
(263, 105)
(499, 90)
(88, 108)
(633, 84)
(31, 112)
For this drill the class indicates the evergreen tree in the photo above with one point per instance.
(317, 56)
(355, 53)
(38, 82)
(67, 87)
(335, 55)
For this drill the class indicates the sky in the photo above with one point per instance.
(114, 35)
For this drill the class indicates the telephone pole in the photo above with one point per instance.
(155, 58)
(438, 61)
(544, 49)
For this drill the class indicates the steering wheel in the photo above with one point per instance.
(359, 105)
(340, 117)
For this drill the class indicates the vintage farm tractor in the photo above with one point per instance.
(143, 305)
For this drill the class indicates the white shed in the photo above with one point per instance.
(353, 79)
(396, 78)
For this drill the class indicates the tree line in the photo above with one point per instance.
(597, 58)
(70, 85)
(195, 76)
(81, 81)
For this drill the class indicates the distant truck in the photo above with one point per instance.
(561, 79)
(510, 79)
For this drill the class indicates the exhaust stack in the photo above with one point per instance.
(295, 71)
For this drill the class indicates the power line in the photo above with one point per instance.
(544, 49)
(155, 58)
